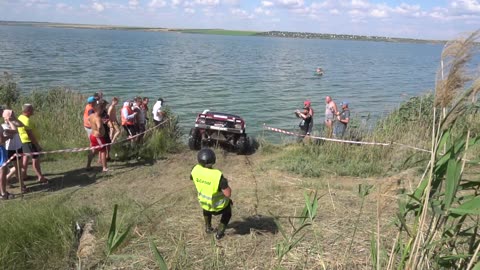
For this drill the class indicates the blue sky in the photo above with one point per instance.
(441, 19)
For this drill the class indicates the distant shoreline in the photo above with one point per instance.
(282, 34)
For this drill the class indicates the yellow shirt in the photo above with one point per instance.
(28, 124)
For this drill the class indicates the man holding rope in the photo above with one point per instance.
(343, 119)
(97, 138)
(213, 192)
(306, 125)
(158, 113)
(30, 143)
(128, 118)
(4, 195)
(13, 146)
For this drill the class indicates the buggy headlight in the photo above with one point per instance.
(201, 121)
(238, 126)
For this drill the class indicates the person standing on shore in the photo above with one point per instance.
(4, 195)
(343, 119)
(86, 112)
(331, 112)
(213, 192)
(128, 119)
(13, 146)
(30, 143)
(115, 130)
(306, 125)
(141, 117)
(97, 138)
(105, 120)
(157, 112)
(145, 109)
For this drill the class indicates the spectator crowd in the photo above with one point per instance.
(336, 120)
(20, 135)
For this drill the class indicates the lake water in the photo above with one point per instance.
(259, 78)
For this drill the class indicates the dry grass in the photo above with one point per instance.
(175, 223)
(455, 56)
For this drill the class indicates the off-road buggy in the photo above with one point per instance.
(212, 128)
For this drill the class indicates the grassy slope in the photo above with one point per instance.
(175, 221)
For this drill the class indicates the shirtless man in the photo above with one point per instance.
(113, 121)
(331, 112)
(97, 138)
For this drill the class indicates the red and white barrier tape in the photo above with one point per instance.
(347, 141)
(412, 147)
(8, 161)
(74, 150)
(321, 138)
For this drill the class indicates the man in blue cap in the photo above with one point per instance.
(86, 113)
(343, 118)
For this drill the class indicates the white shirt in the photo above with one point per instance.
(157, 108)
(14, 143)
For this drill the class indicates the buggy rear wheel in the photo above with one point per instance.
(194, 139)
(242, 145)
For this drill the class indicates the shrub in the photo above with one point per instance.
(59, 119)
(9, 92)
(39, 233)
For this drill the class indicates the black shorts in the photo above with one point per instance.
(13, 152)
(227, 210)
(30, 148)
(107, 134)
(131, 130)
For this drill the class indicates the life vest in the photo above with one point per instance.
(207, 182)
(125, 121)
(86, 123)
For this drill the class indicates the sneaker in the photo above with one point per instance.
(209, 230)
(7, 196)
(219, 235)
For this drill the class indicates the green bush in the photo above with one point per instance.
(411, 121)
(9, 92)
(39, 233)
(155, 144)
(59, 119)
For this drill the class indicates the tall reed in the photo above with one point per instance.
(438, 223)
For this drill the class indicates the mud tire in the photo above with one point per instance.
(194, 139)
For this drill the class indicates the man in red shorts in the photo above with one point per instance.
(97, 137)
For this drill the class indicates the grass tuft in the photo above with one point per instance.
(39, 234)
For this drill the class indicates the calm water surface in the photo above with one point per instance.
(262, 79)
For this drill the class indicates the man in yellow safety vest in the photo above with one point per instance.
(213, 192)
